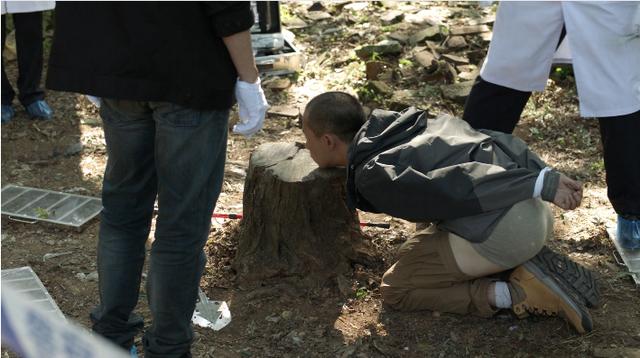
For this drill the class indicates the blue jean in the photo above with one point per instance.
(177, 154)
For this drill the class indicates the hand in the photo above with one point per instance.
(252, 107)
(569, 193)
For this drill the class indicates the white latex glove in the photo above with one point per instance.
(252, 107)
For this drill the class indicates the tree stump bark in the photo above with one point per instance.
(296, 222)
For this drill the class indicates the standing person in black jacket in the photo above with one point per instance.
(166, 73)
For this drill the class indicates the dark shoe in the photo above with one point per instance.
(628, 233)
(533, 291)
(7, 113)
(572, 277)
(39, 110)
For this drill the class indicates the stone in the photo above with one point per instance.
(403, 99)
(483, 20)
(357, 6)
(277, 83)
(374, 69)
(468, 75)
(318, 15)
(467, 30)
(380, 87)
(459, 60)
(426, 60)
(385, 47)
(400, 36)
(431, 16)
(456, 42)
(392, 17)
(486, 36)
(294, 22)
(285, 111)
(432, 32)
(457, 92)
(316, 6)
(73, 149)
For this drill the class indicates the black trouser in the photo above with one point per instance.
(495, 107)
(29, 47)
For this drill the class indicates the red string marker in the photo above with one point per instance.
(239, 216)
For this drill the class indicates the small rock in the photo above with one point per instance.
(456, 42)
(285, 111)
(426, 60)
(374, 69)
(467, 30)
(433, 32)
(457, 92)
(435, 314)
(486, 36)
(81, 276)
(318, 15)
(423, 17)
(286, 314)
(458, 60)
(277, 83)
(484, 20)
(316, 6)
(384, 47)
(73, 149)
(272, 318)
(380, 87)
(403, 99)
(93, 276)
(468, 75)
(294, 22)
(391, 17)
(91, 121)
(399, 36)
(357, 6)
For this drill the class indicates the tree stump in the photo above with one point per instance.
(296, 222)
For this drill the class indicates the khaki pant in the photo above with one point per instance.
(426, 277)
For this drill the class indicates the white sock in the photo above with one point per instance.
(503, 296)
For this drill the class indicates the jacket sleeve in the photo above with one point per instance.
(445, 193)
(516, 149)
(520, 153)
(229, 17)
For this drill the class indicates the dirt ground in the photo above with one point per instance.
(278, 319)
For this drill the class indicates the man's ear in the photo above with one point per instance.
(329, 140)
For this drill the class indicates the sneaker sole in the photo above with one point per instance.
(585, 317)
(571, 276)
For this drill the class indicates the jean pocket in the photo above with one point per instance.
(174, 115)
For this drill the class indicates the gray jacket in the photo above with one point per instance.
(441, 170)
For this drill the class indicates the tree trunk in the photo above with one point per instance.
(296, 222)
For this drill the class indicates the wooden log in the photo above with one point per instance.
(296, 222)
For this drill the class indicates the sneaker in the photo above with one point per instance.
(7, 113)
(572, 277)
(39, 110)
(628, 232)
(533, 291)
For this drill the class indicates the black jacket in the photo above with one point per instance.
(440, 169)
(148, 51)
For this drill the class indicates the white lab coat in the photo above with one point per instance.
(604, 38)
(12, 7)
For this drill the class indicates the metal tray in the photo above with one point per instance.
(50, 206)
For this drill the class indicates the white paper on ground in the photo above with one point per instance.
(211, 314)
